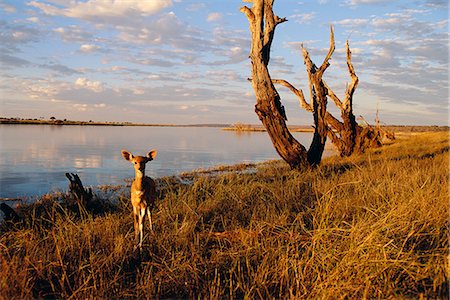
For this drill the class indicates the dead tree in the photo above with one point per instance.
(268, 106)
(318, 100)
(347, 135)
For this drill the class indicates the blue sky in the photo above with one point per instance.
(186, 61)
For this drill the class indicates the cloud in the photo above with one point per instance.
(33, 19)
(13, 35)
(73, 33)
(214, 17)
(107, 11)
(8, 8)
(167, 30)
(192, 7)
(88, 48)
(95, 86)
(437, 4)
(358, 2)
(59, 68)
(304, 18)
(353, 22)
(13, 61)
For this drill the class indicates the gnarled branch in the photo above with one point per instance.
(298, 93)
(326, 61)
(352, 86)
(333, 96)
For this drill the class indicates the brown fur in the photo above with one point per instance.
(143, 193)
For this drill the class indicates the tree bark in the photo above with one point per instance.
(318, 94)
(318, 101)
(268, 106)
(347, 135)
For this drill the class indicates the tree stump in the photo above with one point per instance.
(80, 194)
(10, 213)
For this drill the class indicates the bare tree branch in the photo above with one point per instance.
(352, 86)
(249, 13)
(298, 93)
(310, 69)
(333, 96)
(326, 62)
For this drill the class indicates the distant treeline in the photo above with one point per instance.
(94, 123)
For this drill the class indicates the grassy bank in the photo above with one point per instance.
(370, 226)
(241, 127)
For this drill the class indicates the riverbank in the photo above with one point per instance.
(368, 226)
(58, 122)
(240, 127)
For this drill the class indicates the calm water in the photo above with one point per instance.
(34, 158)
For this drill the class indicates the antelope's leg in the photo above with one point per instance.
(136, 224)
(141, 226)
(149, 215)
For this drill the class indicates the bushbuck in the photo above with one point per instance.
(143, 193)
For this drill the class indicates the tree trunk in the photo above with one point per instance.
(318, 100)
(268, 105)
(318, 95)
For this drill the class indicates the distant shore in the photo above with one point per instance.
(238, 127)
(19, 121)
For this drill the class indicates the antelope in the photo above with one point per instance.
(143, 193)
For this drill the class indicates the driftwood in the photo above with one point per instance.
(80, 194)
(10, 213)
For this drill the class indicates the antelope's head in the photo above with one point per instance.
(139, 161)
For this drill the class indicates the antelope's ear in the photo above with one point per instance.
(152, 154)
(127, 155)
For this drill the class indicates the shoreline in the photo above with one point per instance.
(13, 121)
(185, 177)
(237, 127)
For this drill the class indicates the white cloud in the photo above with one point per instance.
(352, 22)
(357, 2)
(304, 18)
(73, 33)
(88, 48)
(95, 86)
(96, 10)
(214, 17)
(33, 19)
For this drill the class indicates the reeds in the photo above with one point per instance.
(369, 226)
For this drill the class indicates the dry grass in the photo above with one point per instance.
(369, 226)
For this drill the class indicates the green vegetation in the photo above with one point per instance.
(367, 226)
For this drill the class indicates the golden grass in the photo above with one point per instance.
(368, 226)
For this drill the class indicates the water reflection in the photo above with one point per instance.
(34, 158)
(87, 162)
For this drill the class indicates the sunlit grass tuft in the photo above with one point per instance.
(368, 226)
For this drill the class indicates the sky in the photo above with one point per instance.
(186, 61)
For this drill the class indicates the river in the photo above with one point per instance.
(34, 158)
